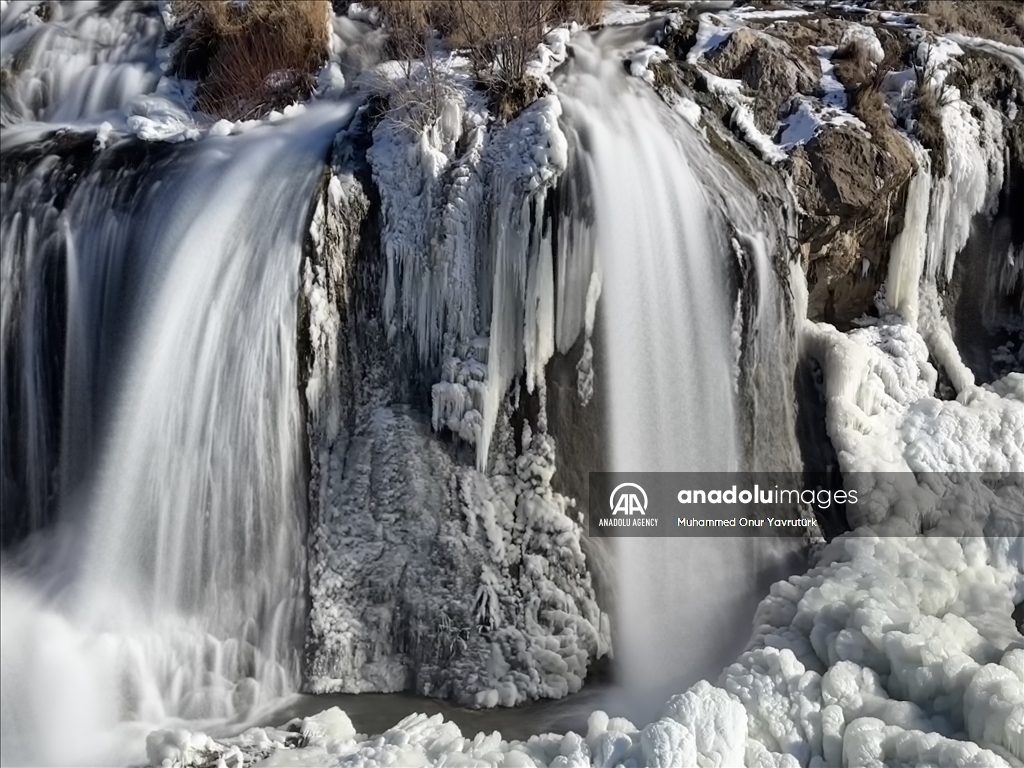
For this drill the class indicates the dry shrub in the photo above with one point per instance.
(415, 100)
(1001, 20)
(868, 103)
(250, 59)
(500, 36)
(928, 129)
(934, 92)
(853, 64)
(863, 79)
(410, 24)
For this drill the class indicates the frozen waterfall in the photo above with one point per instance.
(172, 586)
(684, 605)
(308, 402)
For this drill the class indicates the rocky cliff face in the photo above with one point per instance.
(844, 92)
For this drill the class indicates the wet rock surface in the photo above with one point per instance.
(850, 189)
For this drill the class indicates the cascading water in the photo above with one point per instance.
(684, 605)
(88, 60)
(172, 585)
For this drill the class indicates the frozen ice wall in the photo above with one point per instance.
(426, 573)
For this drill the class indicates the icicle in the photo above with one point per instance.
(539, 334)
(508, 293)
(906, 260)
(533, 153)
(585, 366)
(975, 169)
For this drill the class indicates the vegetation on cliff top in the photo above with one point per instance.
(251, 58)
(499, 38)
(1001, 20)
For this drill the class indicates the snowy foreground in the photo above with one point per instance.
(891, 650)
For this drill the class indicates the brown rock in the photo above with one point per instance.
(772, 71)
(805, 32)
(850, 185)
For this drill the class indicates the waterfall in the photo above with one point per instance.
(86, 61)
(182, 595)
(684, 605)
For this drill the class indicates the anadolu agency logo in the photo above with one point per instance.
(628, 501)
(628, 504)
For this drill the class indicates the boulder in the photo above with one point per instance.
(851, 188)
(771, 70)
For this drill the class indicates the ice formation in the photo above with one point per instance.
(936, 662)
(487, 600)
(442, 209)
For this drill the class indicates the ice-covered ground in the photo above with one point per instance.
(894, 649)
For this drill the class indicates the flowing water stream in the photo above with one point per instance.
(174, 579)
(684, 605)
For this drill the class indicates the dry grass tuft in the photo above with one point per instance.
(868, 103)
(1001, 20)
(863, 80)
(853, 64)
(250, 59)
(933, 94)
(500, 36)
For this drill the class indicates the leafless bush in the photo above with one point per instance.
(499, 37)
(864, 80)
(249, 59)
(416, 95)
(853, 64)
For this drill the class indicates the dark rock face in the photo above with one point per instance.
(985, 297)
(851, 189)
(850, 182)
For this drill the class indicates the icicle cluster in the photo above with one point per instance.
(469, 251)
